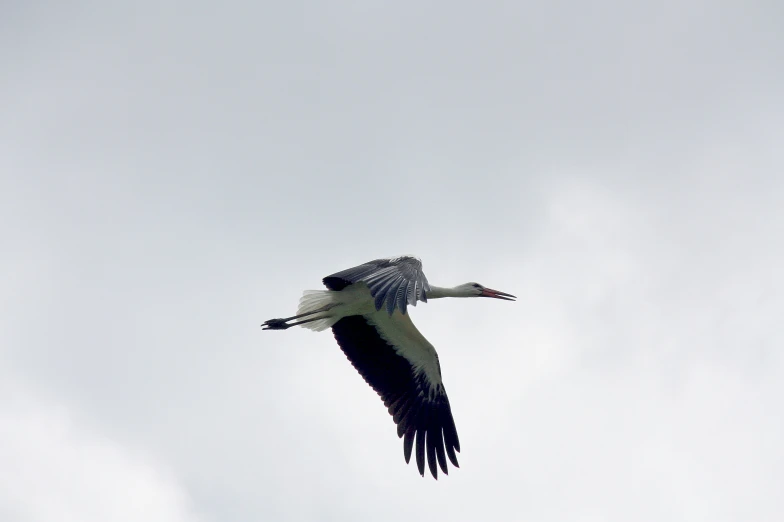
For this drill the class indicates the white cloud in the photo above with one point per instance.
(55, 467)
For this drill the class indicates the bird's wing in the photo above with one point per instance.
(397, 282)
(403, 368)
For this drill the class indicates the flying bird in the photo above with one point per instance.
(366, 307)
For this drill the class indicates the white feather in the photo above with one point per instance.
(321, 301)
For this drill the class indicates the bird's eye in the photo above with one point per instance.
(477, 285)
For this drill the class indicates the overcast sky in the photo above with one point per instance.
(172, 174)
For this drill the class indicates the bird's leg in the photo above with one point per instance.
(275, 324)
(287, 319)
(282, 324)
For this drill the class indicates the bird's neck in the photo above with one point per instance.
(437, 292)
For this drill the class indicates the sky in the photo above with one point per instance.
(173, 174)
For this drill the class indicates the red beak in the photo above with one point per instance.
(497, 294)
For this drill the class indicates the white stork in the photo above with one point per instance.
(366, 308)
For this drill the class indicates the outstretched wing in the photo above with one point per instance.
(403, 368)
(397, 282)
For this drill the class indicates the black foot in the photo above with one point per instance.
(275, 324)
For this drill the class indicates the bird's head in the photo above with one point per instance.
(477, 290)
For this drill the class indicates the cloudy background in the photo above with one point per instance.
(174, 173)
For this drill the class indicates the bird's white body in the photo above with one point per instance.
(366, 307)
(397, 329)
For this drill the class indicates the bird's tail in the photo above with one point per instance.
(318, 303)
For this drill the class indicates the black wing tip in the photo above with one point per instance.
(435, 443)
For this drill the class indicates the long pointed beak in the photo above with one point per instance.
(497, 294)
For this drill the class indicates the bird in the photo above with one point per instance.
(367, 309)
